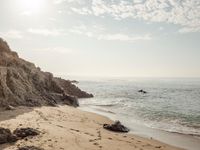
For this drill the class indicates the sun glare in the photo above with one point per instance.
(33, 6)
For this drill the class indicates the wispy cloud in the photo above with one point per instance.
(46, 32)
(12, 34)
(180, 12)
(123, 37)
(101, 33)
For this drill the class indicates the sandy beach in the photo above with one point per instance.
(68, 128)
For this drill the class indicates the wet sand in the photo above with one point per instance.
(68, 128)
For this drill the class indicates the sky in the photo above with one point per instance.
(105, 38)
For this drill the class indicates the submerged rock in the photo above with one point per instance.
(6, 136)
(117, 127)
(142, 91)
(24, 132)
(30, 148)
(22, 83)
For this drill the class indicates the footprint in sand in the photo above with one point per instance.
(75, 130)
(88, 134)
(91, 140)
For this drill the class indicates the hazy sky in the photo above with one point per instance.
(142, 38)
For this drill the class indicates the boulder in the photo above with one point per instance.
(6, 136)
(116, 126)
(24, 132)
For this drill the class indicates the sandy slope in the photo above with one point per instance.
(67, 128)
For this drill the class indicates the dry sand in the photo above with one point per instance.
(68, 128)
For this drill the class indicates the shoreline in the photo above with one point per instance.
(65, 127)
(176, 139)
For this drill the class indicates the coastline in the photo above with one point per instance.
(183, 141)
(66, 127)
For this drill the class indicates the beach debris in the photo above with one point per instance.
(30, 148)
(6, 136)
(24, 132)
(116, 126)
(142, 91)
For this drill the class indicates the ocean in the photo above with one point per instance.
(171, 105)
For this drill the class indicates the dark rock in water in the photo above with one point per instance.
(24, 132)
(6, 136)
(117, 127)
(30, 148)
(142, 91)
(24, 84)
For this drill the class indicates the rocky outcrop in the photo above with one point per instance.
(22, 83)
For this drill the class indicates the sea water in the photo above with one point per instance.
(171, 105)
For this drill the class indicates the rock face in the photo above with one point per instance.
(117, 127)
(22, 83)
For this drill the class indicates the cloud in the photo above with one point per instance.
(46, 32)
(184, 13)
(12, 34)
(123, 37)
(100, 33)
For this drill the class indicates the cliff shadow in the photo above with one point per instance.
(11, 114)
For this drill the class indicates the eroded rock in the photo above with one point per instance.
(24, 84)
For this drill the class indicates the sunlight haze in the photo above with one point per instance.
(129, 38)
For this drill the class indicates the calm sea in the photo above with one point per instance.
(170, 104)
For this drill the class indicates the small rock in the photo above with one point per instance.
(9, 107)
(142, 91)
(24, 132)
(117, 127)
(6, 136)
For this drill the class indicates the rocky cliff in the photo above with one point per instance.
(22, 83)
